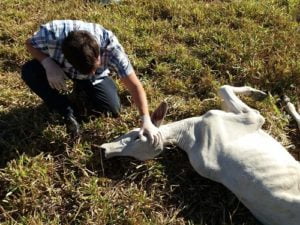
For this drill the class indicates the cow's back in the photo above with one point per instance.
(215, 130)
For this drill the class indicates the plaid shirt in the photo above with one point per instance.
(49, 40)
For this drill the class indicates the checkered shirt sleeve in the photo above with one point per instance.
(118, 58)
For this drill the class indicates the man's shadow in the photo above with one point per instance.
(201, 200)
(24, 130)
(32, 130)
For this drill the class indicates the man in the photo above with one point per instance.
(83, 52)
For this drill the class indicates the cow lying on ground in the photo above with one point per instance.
(231, 148)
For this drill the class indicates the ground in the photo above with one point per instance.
(183, 51)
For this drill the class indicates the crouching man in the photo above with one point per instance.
(82, 52)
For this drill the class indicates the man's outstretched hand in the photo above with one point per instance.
(150, 130)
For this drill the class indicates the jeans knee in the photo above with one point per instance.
(109, 109)
(25, 71)
(116, 111)
(31, 69)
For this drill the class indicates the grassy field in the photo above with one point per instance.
(182, 50)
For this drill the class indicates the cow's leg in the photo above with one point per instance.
(232, 103)
(292, 110)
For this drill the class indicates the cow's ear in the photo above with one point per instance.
(159, 114)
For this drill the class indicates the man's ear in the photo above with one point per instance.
(159, 114)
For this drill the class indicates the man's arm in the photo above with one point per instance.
(121, 63)
(55, 74)
(138, 94)
(135, 88)
(35, 53)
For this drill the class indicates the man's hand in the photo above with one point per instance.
(55, 74)
(150, 130)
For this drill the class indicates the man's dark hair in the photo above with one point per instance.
(81, 49)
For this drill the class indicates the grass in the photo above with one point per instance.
(182, 51)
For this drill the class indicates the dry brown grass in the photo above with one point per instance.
(182, 51)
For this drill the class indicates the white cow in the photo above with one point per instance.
(231, 148)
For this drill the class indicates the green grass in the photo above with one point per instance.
(182, 50)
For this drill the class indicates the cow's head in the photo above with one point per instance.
(131, 145)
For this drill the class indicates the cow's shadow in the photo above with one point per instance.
(201, 200)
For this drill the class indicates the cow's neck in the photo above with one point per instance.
(180, 133)
(191, 136)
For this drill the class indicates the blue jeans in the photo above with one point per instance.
(103, 95)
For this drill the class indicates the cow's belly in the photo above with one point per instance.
(264, 176)
(257, 158)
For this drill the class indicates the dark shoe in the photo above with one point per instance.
(72, 125)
